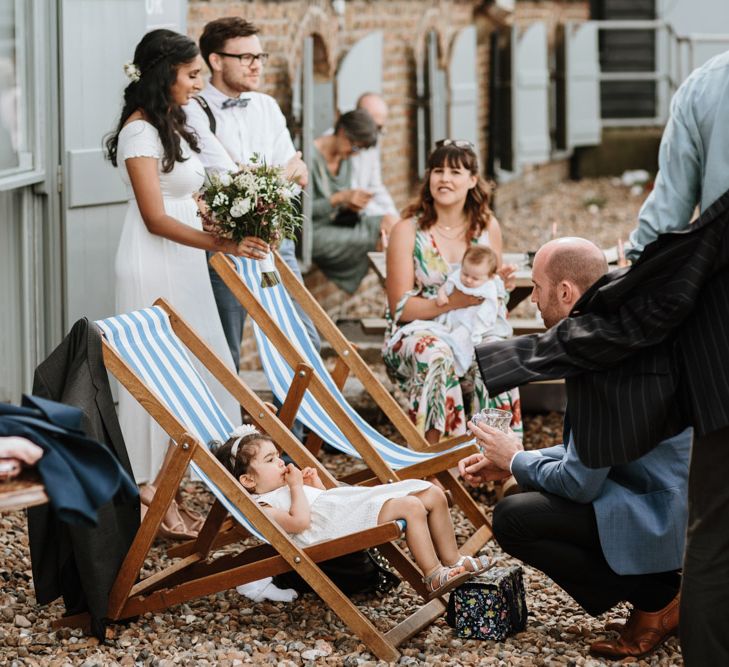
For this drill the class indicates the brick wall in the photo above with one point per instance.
(405, 24)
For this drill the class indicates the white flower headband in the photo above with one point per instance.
(132, 71)
(240, 432)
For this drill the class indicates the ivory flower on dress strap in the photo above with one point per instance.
(132, 71)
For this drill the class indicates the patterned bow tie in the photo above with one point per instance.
(236, 102)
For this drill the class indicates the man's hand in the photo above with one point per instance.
(477, 469)
(499, 447)
(296, 170)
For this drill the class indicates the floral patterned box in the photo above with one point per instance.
(491, 606)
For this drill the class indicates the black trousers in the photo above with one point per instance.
(560, 538)
(704, 613)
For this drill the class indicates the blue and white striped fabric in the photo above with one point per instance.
(278, 304)
(145, 341)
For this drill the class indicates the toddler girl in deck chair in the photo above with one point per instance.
(299, 503)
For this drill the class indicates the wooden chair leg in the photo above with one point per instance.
(174, 470)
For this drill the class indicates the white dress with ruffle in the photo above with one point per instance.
(342, 510)
(147, 267)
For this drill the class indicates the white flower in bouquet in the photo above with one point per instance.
(256, 201)
(221, 199)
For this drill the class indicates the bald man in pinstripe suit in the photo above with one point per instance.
(605, 535)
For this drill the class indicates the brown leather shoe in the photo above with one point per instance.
(643, 632)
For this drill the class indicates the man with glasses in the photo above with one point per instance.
(233, 121)
(366, 164)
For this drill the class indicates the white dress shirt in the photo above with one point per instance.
(259, 127)
(367, 175)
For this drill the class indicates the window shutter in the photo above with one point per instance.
(531, 95)
(582, 76)
(360, 71)
(437, 94)
(463, 102)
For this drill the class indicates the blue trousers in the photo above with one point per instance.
(233, 315)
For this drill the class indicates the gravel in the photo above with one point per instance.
(226, 629)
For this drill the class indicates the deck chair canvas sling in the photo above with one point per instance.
(144, 353)
(284, 348)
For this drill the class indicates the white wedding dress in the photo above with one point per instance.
(148, 267)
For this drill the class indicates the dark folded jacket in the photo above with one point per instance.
(81, 562)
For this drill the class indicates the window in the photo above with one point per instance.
(14, 89)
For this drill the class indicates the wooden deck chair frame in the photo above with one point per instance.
(197, 573)
(438, 467)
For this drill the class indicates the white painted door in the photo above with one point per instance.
(97, 38)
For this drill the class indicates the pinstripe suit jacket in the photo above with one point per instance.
(645, 351)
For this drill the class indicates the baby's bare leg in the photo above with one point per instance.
(440, 524)
(417, 534)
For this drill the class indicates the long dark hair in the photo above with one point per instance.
(157, 57)
(477, 204)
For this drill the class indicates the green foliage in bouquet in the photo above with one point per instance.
(255, 201)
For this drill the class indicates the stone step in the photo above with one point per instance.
(368, 343)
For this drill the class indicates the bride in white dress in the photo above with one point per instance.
(161, 250)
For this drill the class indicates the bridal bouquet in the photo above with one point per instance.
(255, 201)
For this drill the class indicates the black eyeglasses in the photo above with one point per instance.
(246, 58)
(458, 143)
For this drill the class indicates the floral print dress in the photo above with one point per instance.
(423, 365)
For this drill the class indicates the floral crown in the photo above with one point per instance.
(132, 71)
(240, 432)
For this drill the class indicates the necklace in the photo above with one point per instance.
(460, 231)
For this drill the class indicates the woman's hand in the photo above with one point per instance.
(250, 247)
(15, 447)
(460, 300)
(507, 273)
(354, 199)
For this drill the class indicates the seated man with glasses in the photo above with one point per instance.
(343, 232)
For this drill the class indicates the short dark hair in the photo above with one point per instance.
(219, 31)
(358, 127)
(481, 254)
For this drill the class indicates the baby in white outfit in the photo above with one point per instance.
(469, 326)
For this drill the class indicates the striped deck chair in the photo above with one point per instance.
(316, 398)
(147, 351)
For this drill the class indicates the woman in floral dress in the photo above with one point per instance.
(451, 212)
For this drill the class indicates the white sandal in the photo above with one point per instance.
(474, 564)
(439, 582)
